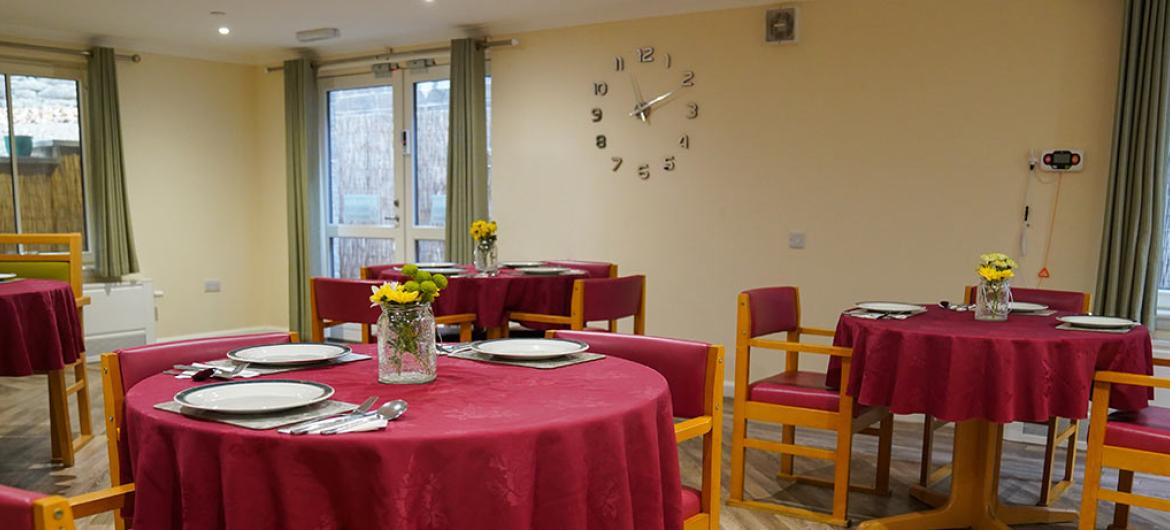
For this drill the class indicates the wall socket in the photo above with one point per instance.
(212, 286)
(796, 240)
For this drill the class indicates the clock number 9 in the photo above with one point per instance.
(600, 141)
(688, 78)
(596, 114)
(692, 111)
(644, 171)
(600, 88)
(669, 165)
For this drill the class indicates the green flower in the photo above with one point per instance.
(422, 276)
(440, 280)
(410, 269)
(411, 286)
(428, 287)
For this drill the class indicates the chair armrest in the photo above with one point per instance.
(692, 428)
(543, 319)
(835, 351)
(1161, 362)
(819, 332)
(1123, 378)
(83, 301)
(100, 501)
(462, 318)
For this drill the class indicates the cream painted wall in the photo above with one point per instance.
(200, 142)
(894, 134)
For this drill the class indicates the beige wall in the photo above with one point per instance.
(202, 144)
(894, 134)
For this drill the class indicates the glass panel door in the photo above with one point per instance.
(428, 120)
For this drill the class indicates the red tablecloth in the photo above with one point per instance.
(492, 297)
(947, 364)
(39, 327)
(485, 446)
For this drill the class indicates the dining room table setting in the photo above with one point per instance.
(502, 433)
(983, 365)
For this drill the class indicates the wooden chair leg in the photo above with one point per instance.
(1049, 462)
(1070, 457)
(885, 449)
(787, 436)
(1121, 511)
(927, 452)
(738, 433)
(841, 473)
(465, 332)
(59, 427)
(85, 423)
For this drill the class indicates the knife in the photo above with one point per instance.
(305, 427)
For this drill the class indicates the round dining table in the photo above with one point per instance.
(983, 375)
(492, 296)
(485, 446)
(40, 330)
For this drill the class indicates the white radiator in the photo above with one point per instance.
(120, 315)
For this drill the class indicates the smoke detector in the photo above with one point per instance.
(313, 35)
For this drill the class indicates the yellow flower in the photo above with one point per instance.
(491, 228)
(393, 293)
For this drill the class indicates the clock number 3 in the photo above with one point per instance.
(692, 110)
(644, 171)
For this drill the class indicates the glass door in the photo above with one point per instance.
(427, 120)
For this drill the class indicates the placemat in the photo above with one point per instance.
(1070, 327)
(261, 369)
(261, 422)
(544, 364)
(861, 313)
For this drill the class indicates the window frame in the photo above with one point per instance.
(11, 66)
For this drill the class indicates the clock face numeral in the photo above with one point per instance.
(600, 88)
(646, 55)
(688, 78)
(644, 171)
(596, 112)
(619, 63)
(669, 164)
(692, 111)
(617, 162)
(685, 141)
(600, 141)
(668, 61)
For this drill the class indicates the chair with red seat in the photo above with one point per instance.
(1131, 441)
(122, 369)
(795, 398)
(694, 374)
(598, 299)
(29, 510)
(336, 301)
(595, 269)
(1066, 301)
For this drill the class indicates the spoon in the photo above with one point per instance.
(389, 411)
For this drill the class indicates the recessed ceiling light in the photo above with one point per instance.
(224, 30)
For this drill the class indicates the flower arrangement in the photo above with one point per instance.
(483, 232)
(994, 295)
(407, 326)
(485, 253)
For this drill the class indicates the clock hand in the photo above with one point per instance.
(637, 99)
(646, 106)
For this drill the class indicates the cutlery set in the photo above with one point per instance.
(361, 419)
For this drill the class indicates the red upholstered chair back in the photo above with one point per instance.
(144, 361)
(16, 508)
(774, 309)
(373, 272)
(343, 300)
(596, 269)
(682, 363)
(1073, 301)
(612, 298)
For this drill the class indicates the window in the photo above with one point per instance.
(42, 182)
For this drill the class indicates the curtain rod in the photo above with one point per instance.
(68, 51)
(391, 54)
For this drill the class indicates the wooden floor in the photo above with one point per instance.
(24, 457)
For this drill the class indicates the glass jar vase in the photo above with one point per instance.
(406, 344)
(993, 301)
(487, 260)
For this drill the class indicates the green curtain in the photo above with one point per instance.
(467, 187)
(300, 124)
(114, 254)
(1131, 245)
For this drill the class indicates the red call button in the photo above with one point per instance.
(1047, 159)
(1076, 159)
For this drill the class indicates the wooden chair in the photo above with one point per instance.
(66, 267)
(27, 510)
(1050, 491)
(599, 299)
(595, 269)
(795, 398)
(122, 369)
(335, 301)
(694, 373)
(1132, 442)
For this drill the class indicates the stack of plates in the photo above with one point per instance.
(254, 397)
(1095, 322)
(529, 349)
(291, 354)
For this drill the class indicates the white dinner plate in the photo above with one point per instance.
(529, 349)
(1090, 321)
(890, 307)
(436, 265)
(7, 276)
(254, 397)
(544, 271)
(293, 353)
(521, 264)
(1026, 307)
(446, 271)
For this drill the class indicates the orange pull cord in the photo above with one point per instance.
(1044, 274)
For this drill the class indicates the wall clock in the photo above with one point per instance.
(666, 90)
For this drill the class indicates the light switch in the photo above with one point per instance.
(796, 240)
(211, 286)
